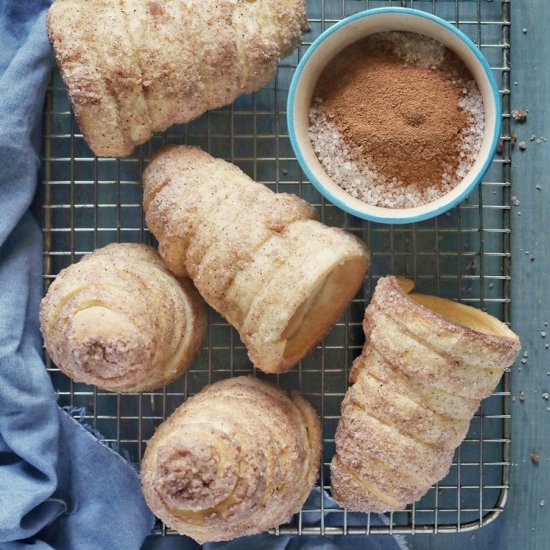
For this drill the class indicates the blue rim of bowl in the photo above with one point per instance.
(305, 167)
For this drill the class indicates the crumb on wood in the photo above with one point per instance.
(519, 115)
(513, 138)
(522, 145)
(521, 395)
(535, 459)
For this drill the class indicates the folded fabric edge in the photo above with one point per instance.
(98, 438)
(79, 414)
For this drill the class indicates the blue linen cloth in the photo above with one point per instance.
(59, 487)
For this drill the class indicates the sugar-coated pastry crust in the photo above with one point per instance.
(120, 320)
(237, 459)
(95, 106)
(259, 258)
(425, 366)
(134, 67)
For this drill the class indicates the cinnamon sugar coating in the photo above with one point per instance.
(280, 277)
(120, 320)
(405, 117)
(425, 366)
(237, 459)
(134, 67)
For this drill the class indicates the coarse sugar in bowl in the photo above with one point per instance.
(394, 115)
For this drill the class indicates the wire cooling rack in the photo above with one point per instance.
(464, 254)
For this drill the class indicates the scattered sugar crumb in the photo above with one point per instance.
(519, 115)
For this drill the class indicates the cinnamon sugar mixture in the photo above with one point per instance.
(397, 120)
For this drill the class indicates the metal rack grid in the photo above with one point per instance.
(464, 254)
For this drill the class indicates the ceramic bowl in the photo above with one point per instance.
(350, 30)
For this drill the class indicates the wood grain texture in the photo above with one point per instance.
(526, 522)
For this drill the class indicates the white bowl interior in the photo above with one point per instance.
(356, 30)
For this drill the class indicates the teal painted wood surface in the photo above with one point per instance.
(528, 512)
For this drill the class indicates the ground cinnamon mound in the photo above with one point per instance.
(397, 119)
(405, 117)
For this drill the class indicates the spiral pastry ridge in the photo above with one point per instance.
(426, 364)
(120, 320)
(238, 458)
(260, 258)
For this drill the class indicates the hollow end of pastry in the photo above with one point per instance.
(318, 313)
(466, 316)
(457, 313)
